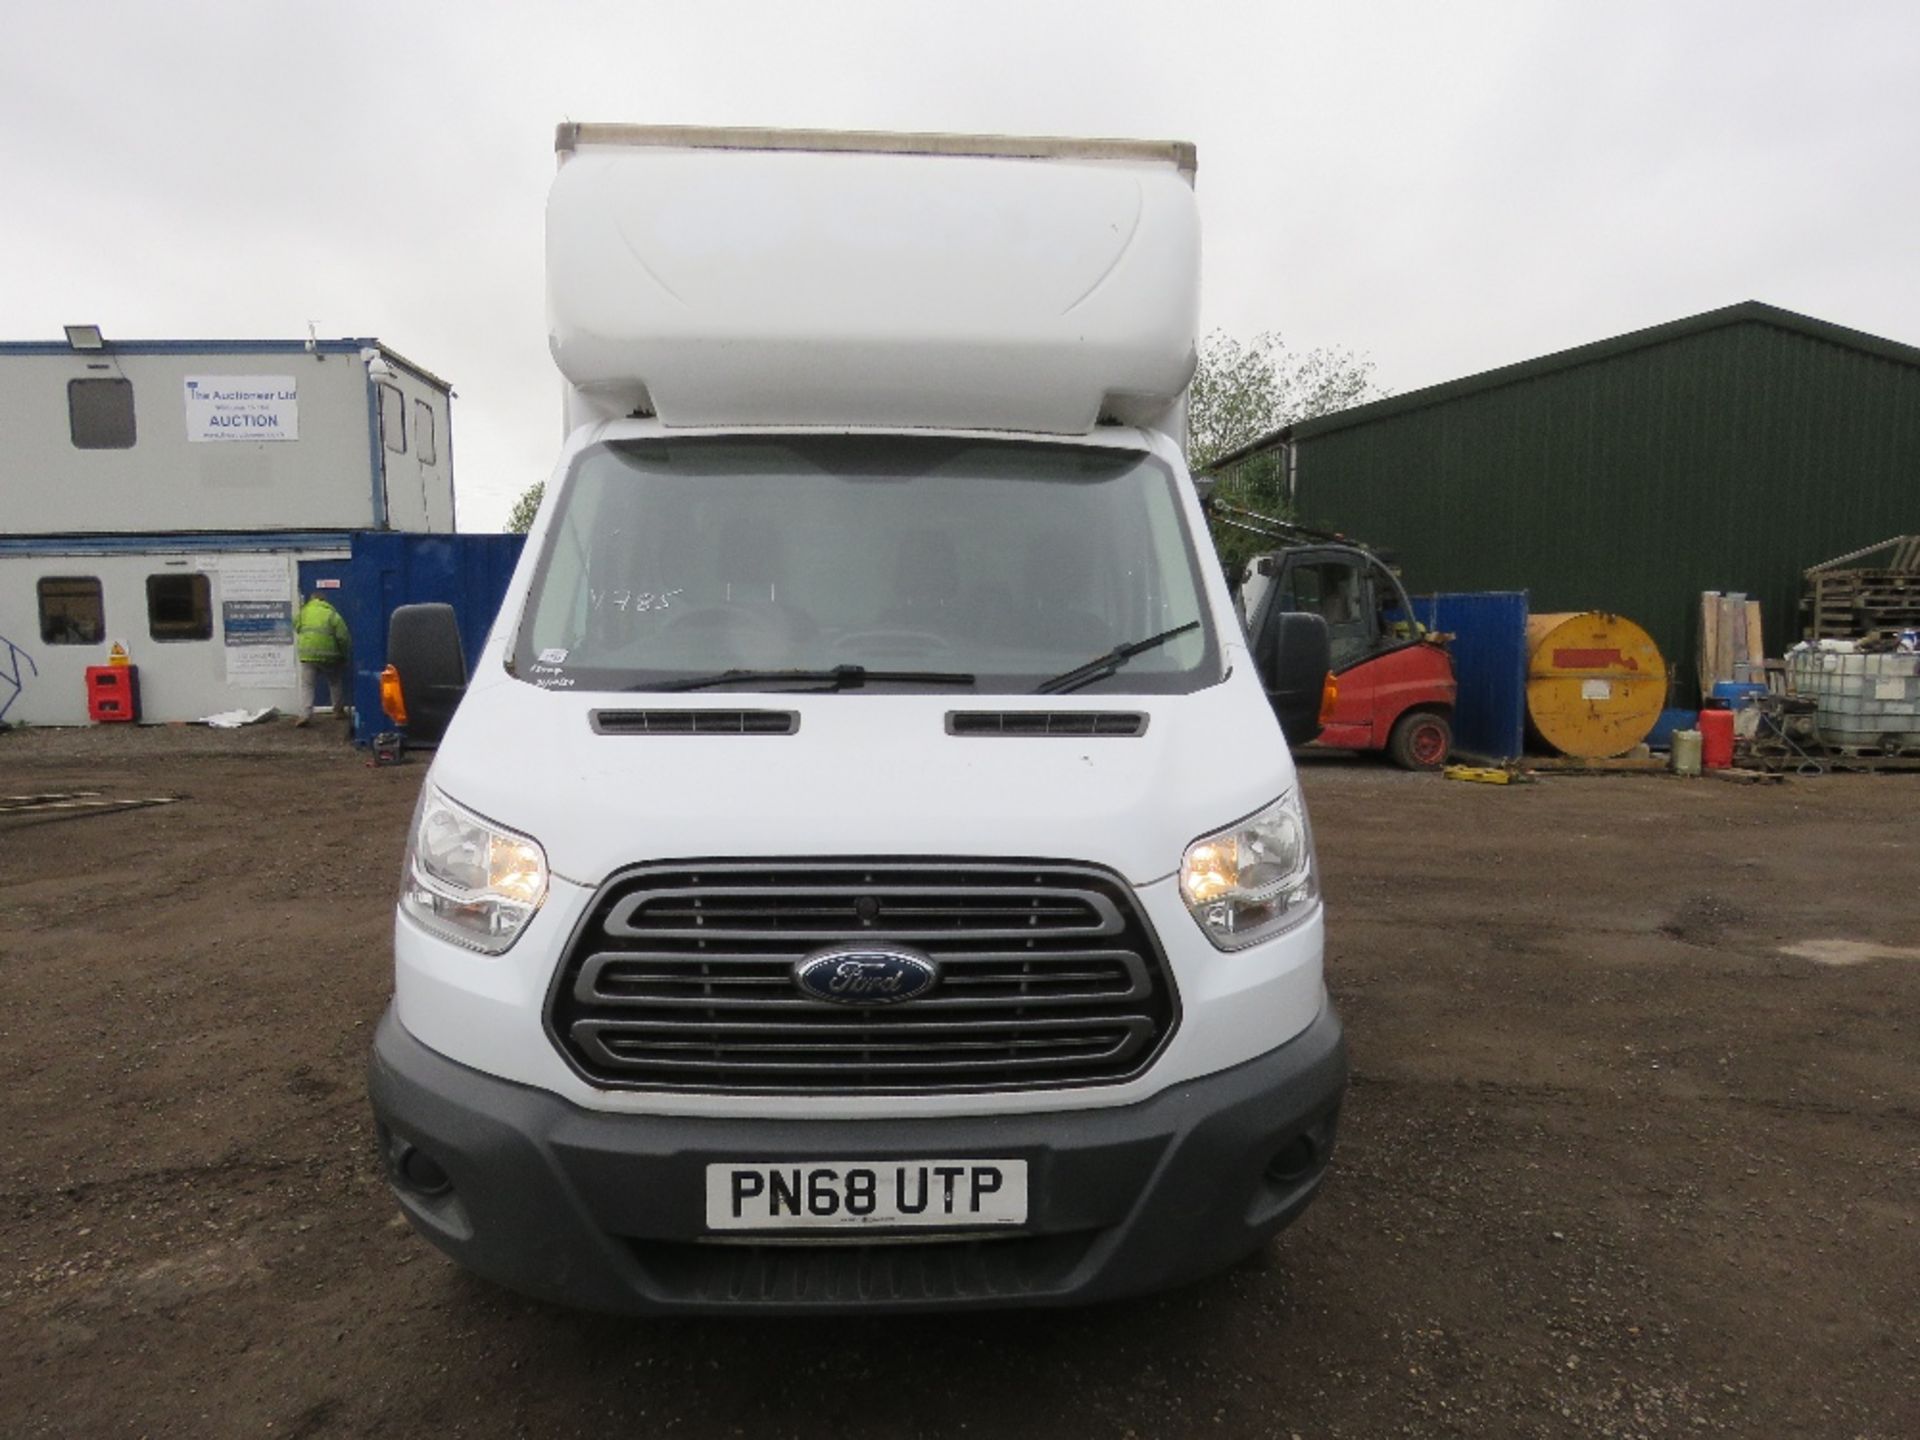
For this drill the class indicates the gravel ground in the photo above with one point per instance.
(1616, 1161)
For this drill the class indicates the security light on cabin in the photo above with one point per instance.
(85, 337)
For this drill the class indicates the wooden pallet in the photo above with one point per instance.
(1743, 775)
(1772, 755)
(1581, 765)
(1870, 764)
(1846, 604)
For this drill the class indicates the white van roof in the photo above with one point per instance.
(573, 136)
(760, 277)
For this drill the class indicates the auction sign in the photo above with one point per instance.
(242, 407)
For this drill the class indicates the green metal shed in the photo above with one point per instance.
(1727, 451)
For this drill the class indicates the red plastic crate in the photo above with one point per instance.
(113, 694)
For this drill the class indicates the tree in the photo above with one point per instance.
(1242, 392)
(520, 518)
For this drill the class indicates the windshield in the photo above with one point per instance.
(1003, 563)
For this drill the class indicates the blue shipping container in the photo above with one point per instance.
(1489, 649)
(387, 570)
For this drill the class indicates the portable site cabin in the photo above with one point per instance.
(174, 498)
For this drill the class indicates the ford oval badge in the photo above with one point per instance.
(866, 974)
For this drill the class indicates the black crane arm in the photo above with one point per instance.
(1273, 527)
(1289, 533)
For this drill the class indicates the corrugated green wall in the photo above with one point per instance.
(1729, 459)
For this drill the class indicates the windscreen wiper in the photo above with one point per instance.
(1102, 666)
(840, 677)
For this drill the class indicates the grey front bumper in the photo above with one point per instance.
(607, 1211)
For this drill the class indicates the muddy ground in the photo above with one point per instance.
(1615, 1161)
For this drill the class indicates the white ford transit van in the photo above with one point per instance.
(865, 869)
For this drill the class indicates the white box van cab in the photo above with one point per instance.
(864, 870)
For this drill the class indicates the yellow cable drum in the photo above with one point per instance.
(1595, 682)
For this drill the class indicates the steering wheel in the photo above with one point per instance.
(863, 646)
(759, 621)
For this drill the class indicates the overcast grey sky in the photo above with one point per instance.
(1443, 187)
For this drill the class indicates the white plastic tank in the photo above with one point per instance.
(1862, 701)
(722, 278)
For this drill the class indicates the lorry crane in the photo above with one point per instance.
(1395, 679)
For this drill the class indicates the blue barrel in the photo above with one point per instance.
(1661, 736)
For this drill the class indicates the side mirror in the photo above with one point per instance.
(423, 651)
(1293, 653)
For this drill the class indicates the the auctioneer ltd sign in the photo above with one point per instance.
(242, 407)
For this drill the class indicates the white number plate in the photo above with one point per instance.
(853, 1194)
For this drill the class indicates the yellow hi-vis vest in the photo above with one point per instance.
(319, 634)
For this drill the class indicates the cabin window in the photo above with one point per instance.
(100, 414)
(393, 419)
(71, 612)
(423, 445)
(179, 607)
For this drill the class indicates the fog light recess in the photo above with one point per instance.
(1294, 1163)
(420, 1172)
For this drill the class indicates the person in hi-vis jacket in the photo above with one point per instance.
(323, 645)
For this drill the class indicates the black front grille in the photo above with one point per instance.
(681, 977)
(1046, 722)
(972, 1268)
(695, 722)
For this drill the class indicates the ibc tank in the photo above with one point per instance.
(1595, 682)
(1871, 701)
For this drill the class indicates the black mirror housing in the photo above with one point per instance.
(1293, 653)
(423, 644)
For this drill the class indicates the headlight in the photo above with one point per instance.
(469, 881)
(1254, 879)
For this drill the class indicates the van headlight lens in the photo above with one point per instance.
(1255, 879)
(468, 880)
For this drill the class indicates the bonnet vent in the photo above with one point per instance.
(695, 722)
(1046, 722)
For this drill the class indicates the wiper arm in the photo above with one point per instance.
(840, 677)
(1102, 666)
